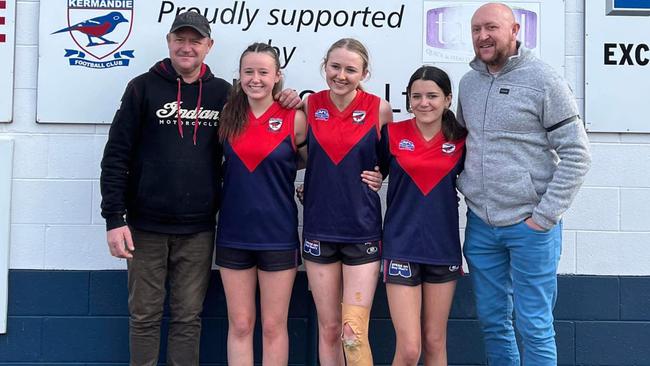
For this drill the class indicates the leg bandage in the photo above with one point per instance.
(356, 348)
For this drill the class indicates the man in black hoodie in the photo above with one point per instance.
(161, 174)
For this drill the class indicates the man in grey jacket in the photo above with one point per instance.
(527, 155)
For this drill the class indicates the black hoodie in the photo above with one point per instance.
(163, 175)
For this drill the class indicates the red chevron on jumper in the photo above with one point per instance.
(262, 135)
(337, 132)
(426, 162)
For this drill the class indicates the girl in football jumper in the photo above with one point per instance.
(257, 236)
(422, 258)
(342, 215)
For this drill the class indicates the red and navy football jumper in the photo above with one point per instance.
(258, 210)
(338, 206)
(421, 222)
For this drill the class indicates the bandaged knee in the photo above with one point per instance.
(356, 347)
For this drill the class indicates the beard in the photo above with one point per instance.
(498, 58)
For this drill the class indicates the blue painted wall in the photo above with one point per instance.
(80, 318)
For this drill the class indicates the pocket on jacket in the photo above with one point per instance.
(515, 190)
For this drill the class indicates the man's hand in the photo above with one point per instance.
(533, 225)
(300, 192)
(120, 242)
(372, 178)
(288, 98)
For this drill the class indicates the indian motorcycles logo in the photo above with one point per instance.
(98, 29)
(172, 111)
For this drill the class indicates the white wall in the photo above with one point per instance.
(55, 221)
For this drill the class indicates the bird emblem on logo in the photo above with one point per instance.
(275, 124)
(358, 116)
(448, 148)
(97, 27)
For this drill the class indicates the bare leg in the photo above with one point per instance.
(437, 298)
(240, 286)
(275, 295)
(405, 303)
(325, 284)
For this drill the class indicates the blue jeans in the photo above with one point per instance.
(514, 268)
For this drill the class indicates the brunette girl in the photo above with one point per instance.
(422, 258)
(257, 237)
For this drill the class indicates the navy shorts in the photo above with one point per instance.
(265, 260)
(413, 274)
(350, 254)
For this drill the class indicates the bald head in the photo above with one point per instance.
(496, 11)
(494, 35)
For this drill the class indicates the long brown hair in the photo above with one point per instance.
(234, 115)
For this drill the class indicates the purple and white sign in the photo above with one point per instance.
(447, 35)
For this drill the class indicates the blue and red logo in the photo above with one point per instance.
(406, 144)
(322, 115)
(99, 28)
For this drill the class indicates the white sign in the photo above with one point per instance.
(617, 67)
(7, 41)
(81, 76)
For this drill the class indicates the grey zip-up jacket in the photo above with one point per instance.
(527, 149)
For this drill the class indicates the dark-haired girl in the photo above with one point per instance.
(421, 253)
